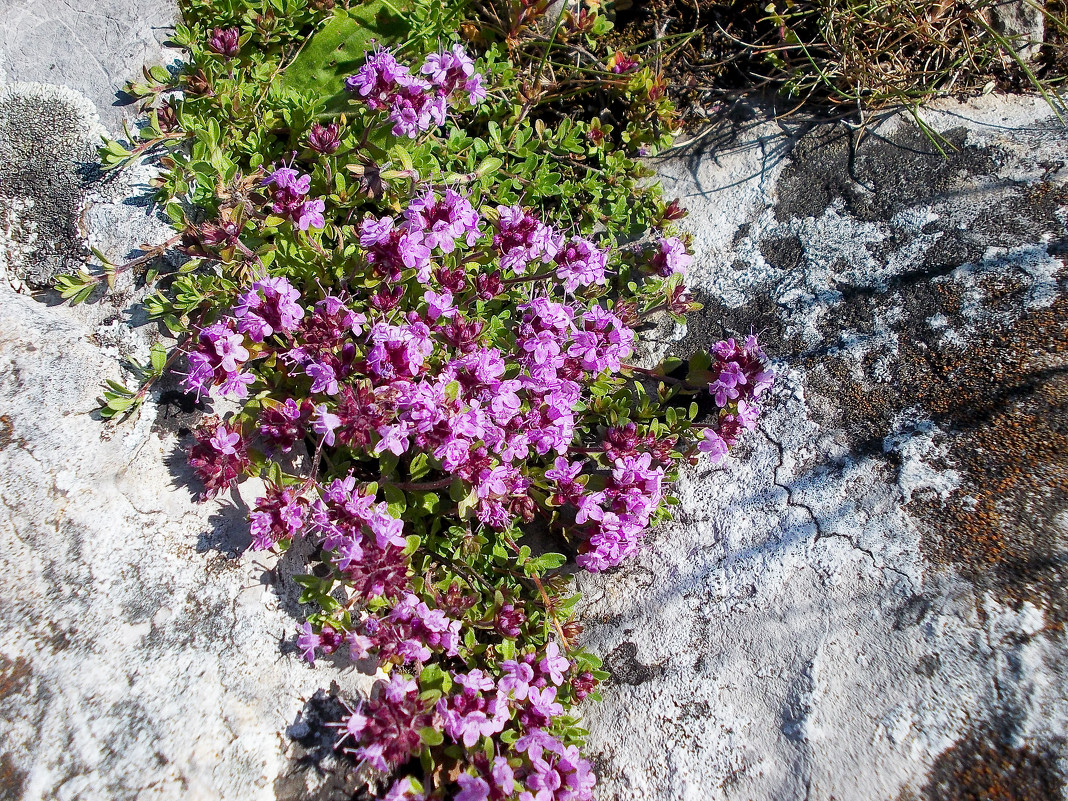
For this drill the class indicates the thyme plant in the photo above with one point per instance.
(417, 255)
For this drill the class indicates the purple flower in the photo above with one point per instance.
(278, 517)
(438, 305)
(392, 250)
(714, 445)
(378, 78)
(747, 415)
(310, 214)
(509, 620)
(471, 788)
(762, 382)
(374, 754)
(217, 458)
(476, 92)
(282, 426)
(448, 69)
(225, 441)
(269, 307)
(354, 724)
(399, 687)
(516, 680)
(230, 349)
(723, 392)
(394, 439)
(289, 198)
(453, 71)
(388, 530)
(403, 790)
(543, 703)
(581, 263)
(289, 179)
(236, 385)
(473, 682)
(443, 222)
(554, 664)
(522, 238)
(671, 257)
(324, 379)
(308, 641)
(325, 424)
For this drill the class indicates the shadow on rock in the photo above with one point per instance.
(316, 770)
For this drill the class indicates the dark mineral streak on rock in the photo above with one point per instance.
(984, 766)
(12, 780)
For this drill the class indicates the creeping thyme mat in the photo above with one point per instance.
(418, 268)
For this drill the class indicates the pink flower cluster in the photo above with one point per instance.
(409, 634)
(670, 257)
(218, 457)
(416, 104)
(741, 378)
(522, 239)
(385, 731)
(289, 198)
(618, 516)
(217, 359)
(365, 541)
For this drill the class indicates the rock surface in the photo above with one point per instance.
(867, 601)
(91, 47)
(1021, 22)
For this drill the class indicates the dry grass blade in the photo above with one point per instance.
(865, 54)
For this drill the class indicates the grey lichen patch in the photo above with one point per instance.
(48, 138)
(952, 312)
(875, 176)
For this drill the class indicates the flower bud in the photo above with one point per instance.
(324, 138)
(225, 41)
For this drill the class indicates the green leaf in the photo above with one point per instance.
(489, 166)
(419, 467)
(159, 74)
(508, 736)
(398, 154)
(395, 500)
(159, 357)
(431, 736)
(463, 509)
(547, 561)
(119, 404)
(119, 388)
